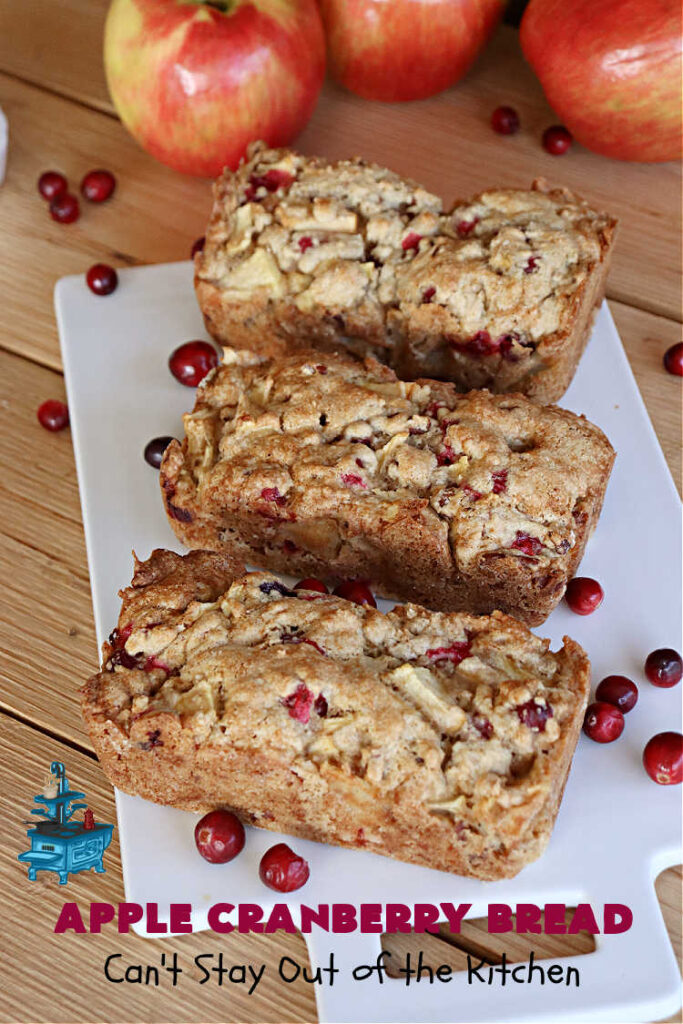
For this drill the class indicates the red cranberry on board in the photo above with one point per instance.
(603, 722)
(53, 415)
(97, 186)
(197, 246)
(618, 690)
(664, 667)
(154, 450)
(663, 758)
(356, 591)
(64, 208)
(556, 140)
(584, 595)
(673, 360)
(283, 870)
(102, 279)
(219, 836)
(52, 184)
(310, 583)
(505, 120)
(191, 362)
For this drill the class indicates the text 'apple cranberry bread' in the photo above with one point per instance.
(499, 292)
(441, 739)
(325, 466)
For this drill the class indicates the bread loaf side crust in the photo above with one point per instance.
(323, 466)
(443, 740)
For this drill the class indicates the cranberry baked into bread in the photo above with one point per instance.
(439, 739)
(325, 466)
(498, 293)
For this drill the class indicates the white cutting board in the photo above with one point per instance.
(616, 829)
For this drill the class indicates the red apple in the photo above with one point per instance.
(195, 82)
(611, 70)
(405, 49)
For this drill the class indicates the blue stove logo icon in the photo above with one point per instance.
(59, 844)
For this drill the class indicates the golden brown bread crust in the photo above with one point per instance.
(323, 466)
(500, 292)
(443, 740)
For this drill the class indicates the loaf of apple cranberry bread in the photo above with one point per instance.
(441, 739)
(498, 293)
(327, 466)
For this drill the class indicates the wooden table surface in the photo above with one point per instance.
(53, 91)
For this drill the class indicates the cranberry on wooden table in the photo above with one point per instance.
(556, 140)
(98, 186)
(603, 723)
(283, 870)
(154, 450)
(505, 120)
(673, 360)
(102, 279)
(191, 362)
(663, 758)
(64, 208)
(197, 246)
(52, 184)
(618, 690)
(53, 415)
(356, 591)
(311, 583)
(584, 595)
(664, 667)
(219, 836)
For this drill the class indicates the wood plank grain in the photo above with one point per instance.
(36, 957)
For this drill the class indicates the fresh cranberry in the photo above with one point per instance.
(483, 726)
(527, 544)
(505, 120)
(411, 241)
(534, 715)
(197, 246)
(272, 180)
(603, 722)
(191, 362)
(500, 480)
(52, 184)
(353, 480)
(102, 279)
(283, 870)
(618, 690)
(673, 360)
(97, 186)
(556, 140)
(356, 591)
(154, 450)
(305, 243)
(273, 494)
(64, 208)
(219, 836)
(584, 595)
(466, 227)
(446, 457)
(53, 415)
(664, 667)
(663, 758)
(300, 701)
(456, 653)
(310, 583)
